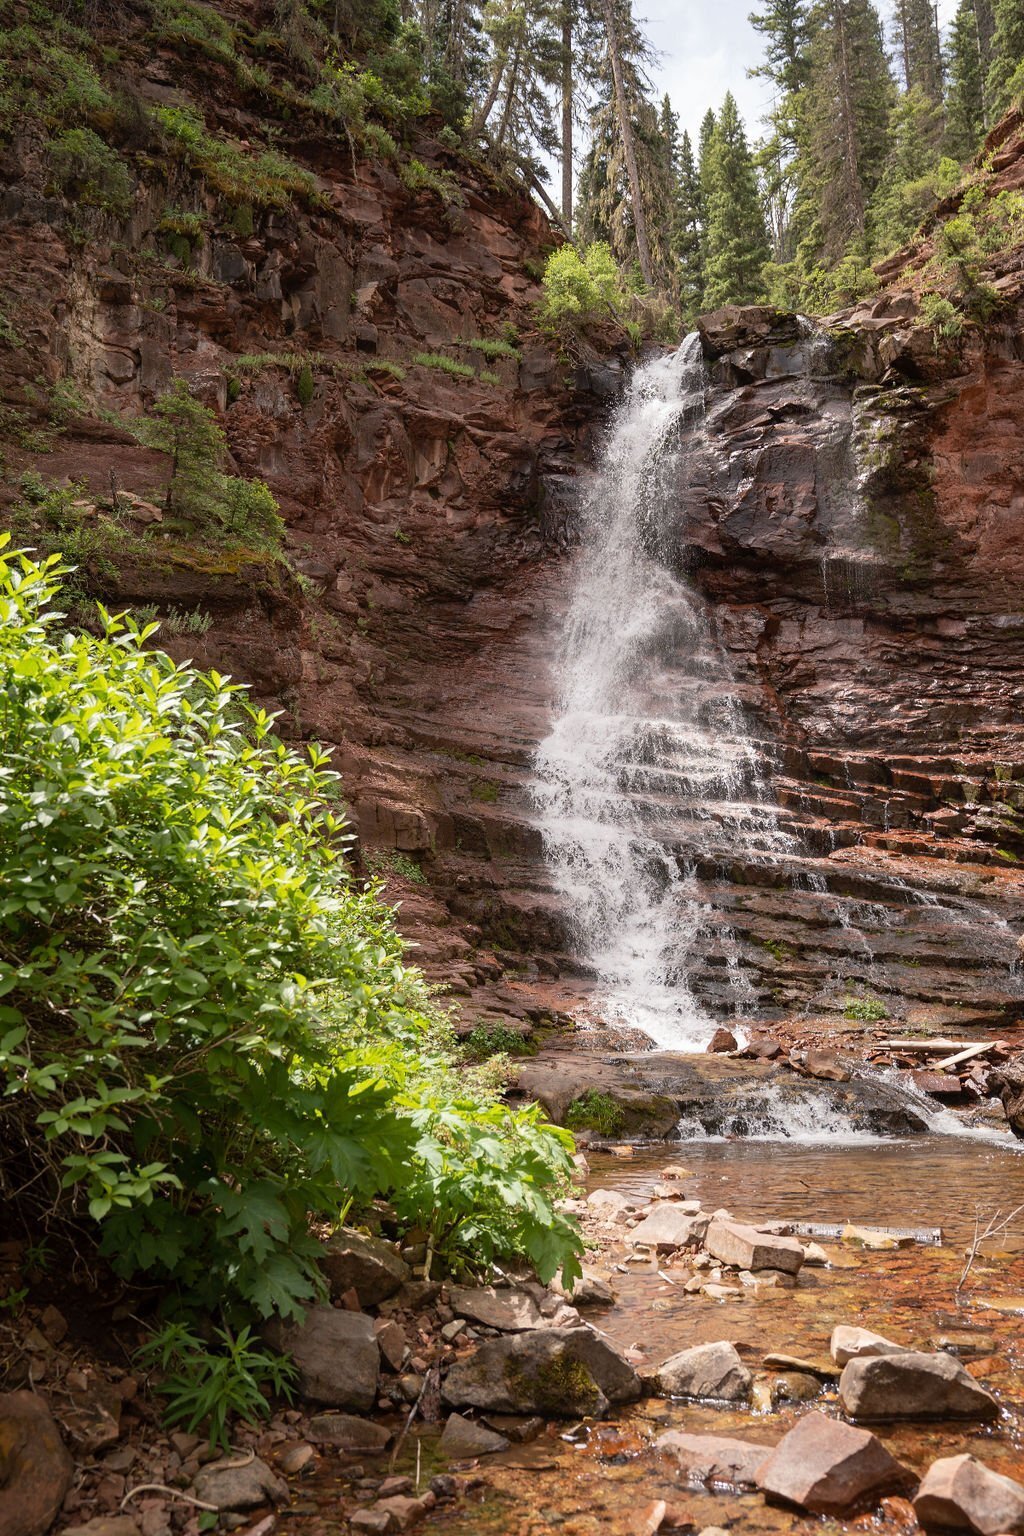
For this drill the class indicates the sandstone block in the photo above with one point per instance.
(959, 1493)
(559, 1372)
(913, 1385)
(707, 1459)
(669, 1227)
(733, 1242)
(35, 1468)
(462, 1438)
(346, 1432)
(336, 1354)
(829, 1467)
(849, 1343)
(367, 1265)
(707, 1370)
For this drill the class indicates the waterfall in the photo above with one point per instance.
(648, 769)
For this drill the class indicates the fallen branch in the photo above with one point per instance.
(997, 1224)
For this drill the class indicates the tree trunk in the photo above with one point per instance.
(567, 115)
(643, 248)
(510, 93)
(486, 107)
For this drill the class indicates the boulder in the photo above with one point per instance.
(347, 1433)
(707, 1370)
(239, 1487)
(722, 1040)
(829, 1468)
(669, 1227)
(590, 1290)
(733, 1242)
(707, 1459)
(849, 1343)
(462, 1438)
(369, 1266)
(959, 1493)
(746, 325)
(512, 1310)
(608, 1202)
(558, 1372)
(913, 1385)
(35, 1468)
(336, 1354)
(1008, 1082)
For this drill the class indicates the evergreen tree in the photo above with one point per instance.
(785, 25)
(918, 47)
(687, 246)
(843, 131)
(965, 103)
(1004, 80)
(624, 186)
(907, 189)
(737, 241)
(707, 133)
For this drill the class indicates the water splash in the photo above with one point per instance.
(649, 753)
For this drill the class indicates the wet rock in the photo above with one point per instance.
(829, 1468)
(512, 1310)
(850, 1343)
(707, 1370)
(402, 1511)
(735, 1243)
(1008, 1082)
(608, 1202)
(369, 1266)
(294, 1457)
(913, 1385)
(590, 1290)
(336, 1355)
(795, 1387)
(747, 325)
(559, 1372)
(669, 1227)
(825, 1066)
(347, 1433)
(35, 1468)
(521, 1428)
(707, 1459)
(243, 1487)
(959, 1493)
(722, 1040)
(462, 1438)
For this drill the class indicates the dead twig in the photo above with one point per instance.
(997, 1224)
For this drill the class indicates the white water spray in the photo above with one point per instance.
(648, 761)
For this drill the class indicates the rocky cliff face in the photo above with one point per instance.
(850, 517)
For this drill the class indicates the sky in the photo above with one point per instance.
(706, 48)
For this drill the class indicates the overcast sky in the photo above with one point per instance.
(706, 48)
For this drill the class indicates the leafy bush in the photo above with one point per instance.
(595, 1111)
(482, 1043)
(90, 171)
(207, 1033)
(388, 861)
(10, 336)
(580, 287)
(868, 1009)
(198, 494)
(941, 315)
(305, 385)
(204, 1386)
(417, 177)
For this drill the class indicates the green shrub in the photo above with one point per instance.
(484, 1042)
(212, 1386)
(941, 315)
(305, 385)
(580, 287)
(594, 1111)
(201, 497)
(377, 141)
(86, 169)
(10, 336)
(183, 621)
(486, 377)
(868, 1009)
(417, 177)
(267, 179)
(445, 364)
(388, 861)
(179, 21)
(207, 1032)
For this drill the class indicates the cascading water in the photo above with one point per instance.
(649, 750)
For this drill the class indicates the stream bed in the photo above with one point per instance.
(600, 1479)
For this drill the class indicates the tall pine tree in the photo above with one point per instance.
(737, 241)
(1004, 80)
(968, 66)
(918, 48)
(843, 129)
(688, 230)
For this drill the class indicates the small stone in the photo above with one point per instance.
(294, 1457)
(403, 1512)
(815, 1254)
(708, 1370)
(394, 1485)
(518, 1427)
(913, 1385)
(795, 1387)
(367, 1264)
(463, 1439)
(608, 1202)
(722, 1040)
(54, 1325)
(715, 1459)
(720, 1292)
(391, 1341)
(239, 1487)
(735, 1243)
(101, 1525)
(850, 1343)
(668, 1227)
(829, 1467)
(451, 1331)
(376, 1522)
(347, 1433)
(959, 1493)
(590, 1290)
(651, 1518)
